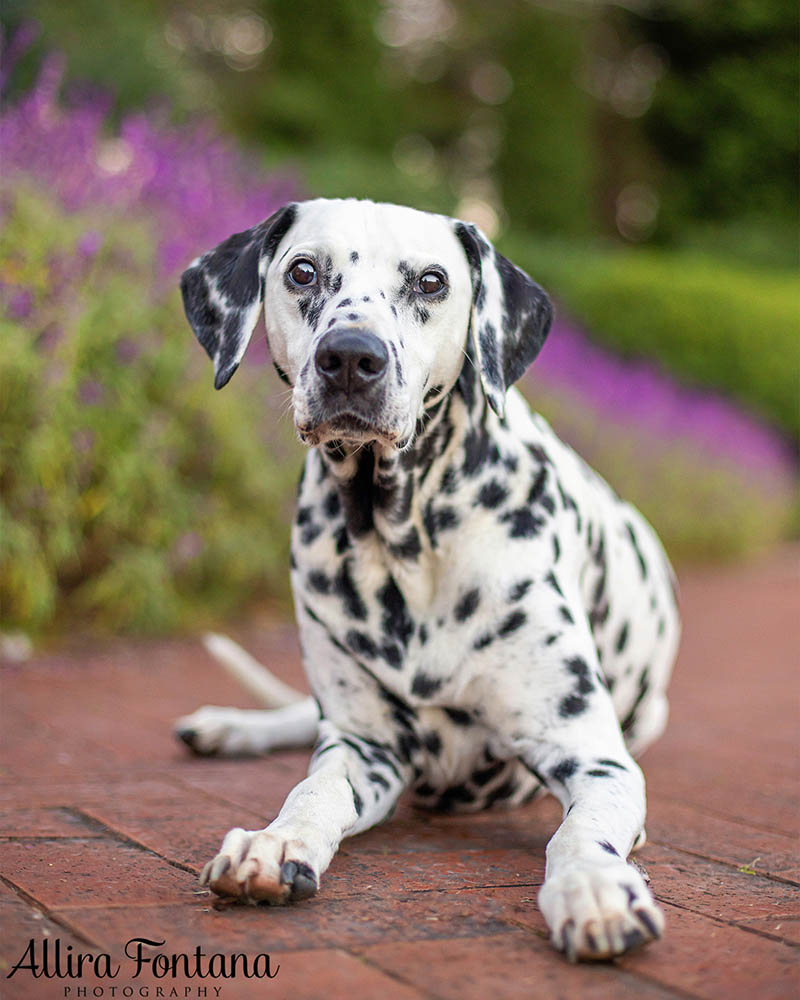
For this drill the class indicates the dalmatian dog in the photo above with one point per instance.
(482, 619)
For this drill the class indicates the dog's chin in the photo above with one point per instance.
(351, 430)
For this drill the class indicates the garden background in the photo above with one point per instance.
(638, 159)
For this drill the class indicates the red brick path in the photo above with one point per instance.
(106, 823)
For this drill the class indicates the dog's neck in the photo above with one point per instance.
(386, 494)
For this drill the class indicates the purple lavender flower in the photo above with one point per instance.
(89, 244)
(196, 186)
(19, 303)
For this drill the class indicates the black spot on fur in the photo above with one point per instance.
(358, 802)
(458, 716)
(564, 770)
(510, 625)
(622, 639)
(566, 614)
(454, 796)
(523, 523)
(629, 721)
(538, 485)
(571, 705)
(636, 549)
(519, 590)
(331, 504)
(486, 774)
(344, 588)
(342, 540)
(319, 581)
(424, 685)
(432, 743)
(483, 641)
(361, 643)
(475, 446)
(437, 520)
(396, 622)
(467, 605)
(550, 579)
(492, 494)
(608, 848)
(409, 546)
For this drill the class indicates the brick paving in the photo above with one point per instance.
(106, 823)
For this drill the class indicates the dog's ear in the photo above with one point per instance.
(223, 290)
(511, 315)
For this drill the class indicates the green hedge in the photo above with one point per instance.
(709, 322)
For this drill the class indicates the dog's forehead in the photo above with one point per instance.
(375, 232)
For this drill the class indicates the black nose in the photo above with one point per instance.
(351, 359)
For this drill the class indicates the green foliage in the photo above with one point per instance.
(723, 123)
(129, 491)
(719, 325)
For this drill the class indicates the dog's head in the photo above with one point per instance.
(371, 312)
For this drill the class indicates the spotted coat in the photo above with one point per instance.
(481, 617)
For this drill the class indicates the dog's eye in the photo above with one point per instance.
(303, 273)
(430, 283)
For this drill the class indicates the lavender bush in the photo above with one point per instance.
(130, 492)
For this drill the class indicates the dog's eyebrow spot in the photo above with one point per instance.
(353, 316)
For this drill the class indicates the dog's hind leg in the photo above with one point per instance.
(235, 732)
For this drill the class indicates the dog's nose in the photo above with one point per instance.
(351, 359)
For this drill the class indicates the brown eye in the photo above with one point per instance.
(430, 283)
(303, 273)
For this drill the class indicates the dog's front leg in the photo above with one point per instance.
(596, 904)
(352, 785)
(564, 728)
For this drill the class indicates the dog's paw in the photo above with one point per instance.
(597, 913)
(212, 730)
(257, 866)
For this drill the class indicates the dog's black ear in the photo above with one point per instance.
(224, 289)
(511, 315)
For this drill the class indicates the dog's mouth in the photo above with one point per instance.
(350, 428)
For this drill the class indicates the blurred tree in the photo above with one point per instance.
(577, 117)
(723, 121)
